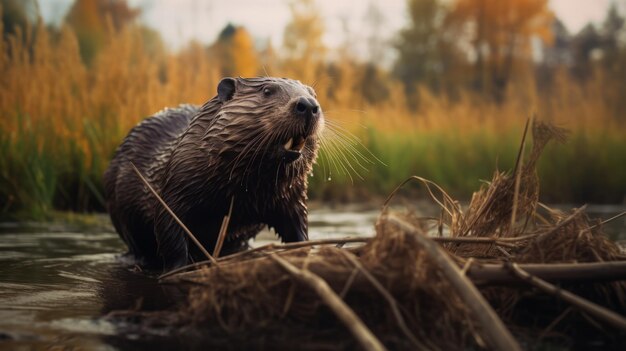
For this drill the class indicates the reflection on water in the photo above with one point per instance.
(48, 278)
(329, 224)
(58, 281)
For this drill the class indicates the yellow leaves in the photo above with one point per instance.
(245, 61)
(302, 40)
(47, 90)
(84, 15)
(499, 22)
(94, 20)
(500, 34)
(303, 35)
(235, 53)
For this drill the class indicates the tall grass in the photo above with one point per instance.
(458, 144)
(61, 120)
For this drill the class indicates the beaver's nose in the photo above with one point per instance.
(307, 107)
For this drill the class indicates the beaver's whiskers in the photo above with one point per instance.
(342, 151)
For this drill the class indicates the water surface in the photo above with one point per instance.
(59, 281)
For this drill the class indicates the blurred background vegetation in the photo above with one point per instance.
(466, 74)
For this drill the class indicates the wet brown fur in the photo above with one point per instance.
(198, 158)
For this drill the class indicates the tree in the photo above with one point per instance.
(90, 18)
(244, 54)
(302, 40)
(559, 53)
(423, 50)
(376, 44)
(373, 84)
(555, 57)
(584, 44)
(17, 14)
(235, 52)
(500, 33)
(612, 31)
(268, 59)
(613, 59)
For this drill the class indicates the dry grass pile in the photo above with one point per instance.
(424, 283)
(258, 293)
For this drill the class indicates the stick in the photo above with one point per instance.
(553, 324)
(182, 225)
(273, 247)
(561, 224)
(497, 335)
(359, 330)
(427, 184)
(506, 242)
(296, 245)
(222, 236)
(472, 240)
(609, 220)
(390, 300)
(485, 274)
(586, 306)
(348, 284)
(517, 172)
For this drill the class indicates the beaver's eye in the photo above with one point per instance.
(267, 91)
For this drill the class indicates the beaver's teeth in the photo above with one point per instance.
(300, 145)
(288, 144)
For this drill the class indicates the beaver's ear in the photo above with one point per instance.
(226, 89)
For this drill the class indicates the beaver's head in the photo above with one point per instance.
(274, 121)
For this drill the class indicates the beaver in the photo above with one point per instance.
(254, 143)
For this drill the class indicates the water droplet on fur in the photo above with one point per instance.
(290, 186)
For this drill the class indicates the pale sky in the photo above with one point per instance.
(181, 20)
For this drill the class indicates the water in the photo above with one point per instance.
(58, 282)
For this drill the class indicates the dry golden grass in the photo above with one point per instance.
(128, 82)
(68, 117)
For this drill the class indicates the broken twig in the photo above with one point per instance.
(356, 326)
(169, 210)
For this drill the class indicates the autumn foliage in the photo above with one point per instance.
(69, 95)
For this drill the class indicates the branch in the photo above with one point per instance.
(182, 225)
(222, 234)
(359, 330)
(498, 336)
(393, 304)
(269, 247)
(563, 272)
(544, 236)
(587, 306)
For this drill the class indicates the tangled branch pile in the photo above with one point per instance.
(423, 283)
